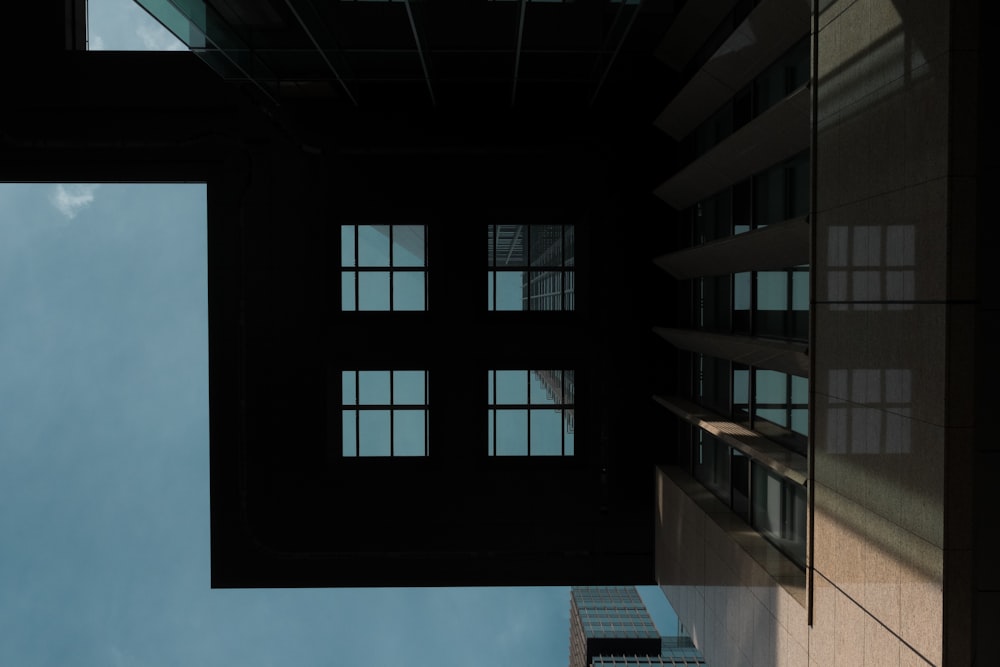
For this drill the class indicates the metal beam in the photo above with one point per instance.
(621, 42)
(317, 23)
(517, 51)
(420, 51)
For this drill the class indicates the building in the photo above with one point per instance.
(610, 626)
(779, 296)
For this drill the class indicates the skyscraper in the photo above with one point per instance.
(610, 627)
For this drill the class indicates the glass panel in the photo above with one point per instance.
(373, 429)
(349, 433)
(512, 433)
(546, 245)
(569, 425)
(490, 244)
(546, 387)
(741, 291)
(374, 387)
(546, 432)
(741, 388)
(373, 245)
(408, 245)
(408, 387)
(569, 246)
(408, 433)
(509, 290)
(771, 387)
(569, 289)
(348, 382)
(489, 428)
(800, 421)
(545, 292)
(407, 290)
(373, 291)
(779, 417)
(512, 387)
(347, 245)
(772, 290)
(509, 245)
(800, 290)
(800, 389)
(347, 291)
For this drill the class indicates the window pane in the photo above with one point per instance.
(546, 432)
(347, 291)
(800, 421)
(489, 289)
(546, 387)
(347, 245)
(800, 389)
(408, 433)
(568, 425)
(349, 434)
(512, 387)
(546, 245)
(800, 290)
(772, 290)
(408, 387)
(408, 245)
(509, 290)
(509, 245)
(771, 387)
(374, 387)
(373, 429)
(347, 380)
(407, 290)
(569, 246)
(779, 417)
(373, 245)
(545, 291)
(512, 433)
(489, 428)
(373, 291)
(741, 291)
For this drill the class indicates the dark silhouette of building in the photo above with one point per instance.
(779, 294)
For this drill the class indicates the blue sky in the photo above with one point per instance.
(104, 558)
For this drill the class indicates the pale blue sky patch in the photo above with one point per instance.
(122, 25)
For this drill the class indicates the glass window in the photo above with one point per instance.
(383, 267)
(530, 413)
(384, 413)
(531, 267)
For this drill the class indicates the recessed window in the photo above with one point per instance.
(531, 267)
(383, 267)
(384, 413)
(531, 413)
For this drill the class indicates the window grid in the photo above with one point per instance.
(394, 281)
(546, 393)
(362, 437)
(531, 267)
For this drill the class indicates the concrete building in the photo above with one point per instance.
(611, 627)
(781, 233)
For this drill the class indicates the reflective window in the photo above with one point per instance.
(531, 267)
(384, 413)
(383, 267)
(531, 413)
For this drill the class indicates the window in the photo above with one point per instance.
(531, 413)
(383, 267)
(384, 413)
(531, 267)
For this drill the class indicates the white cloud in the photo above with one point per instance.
(156, 38)
(69, 199)
(96, 43)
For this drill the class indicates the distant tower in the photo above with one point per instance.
(610, 623)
